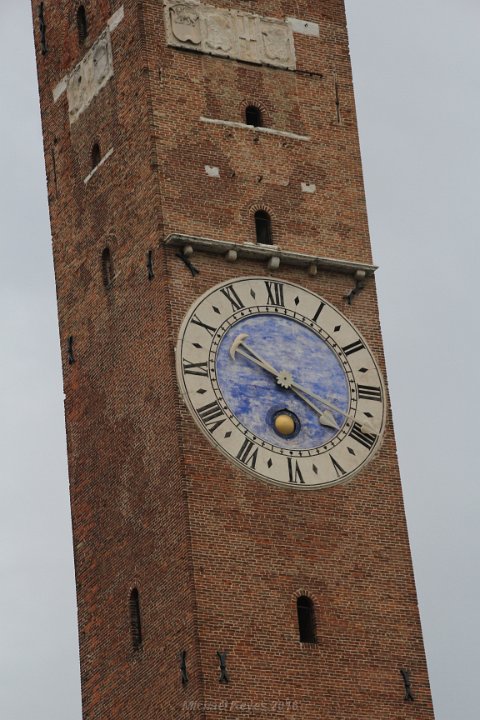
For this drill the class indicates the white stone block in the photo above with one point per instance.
(90, 76)
(116, 19)
(302, 27)
(234, 34)
(84, 71)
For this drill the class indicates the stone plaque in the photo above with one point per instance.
(90, 76)
(184, 24)
(229, 33)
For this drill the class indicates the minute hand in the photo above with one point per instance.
(325, 417)
(299, 389)
(335, 408)
(239, 346)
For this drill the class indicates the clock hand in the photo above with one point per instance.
(239, 346)
(366, 426)
(285, 380)
(325, 416)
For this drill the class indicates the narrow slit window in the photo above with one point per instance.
(306, 619)
(107, 268)
(96, 155)
(263, 227)
(82, 25)
(43, 28)
(150, 272)
(253, 116)
(135, 624)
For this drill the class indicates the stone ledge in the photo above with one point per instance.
(255, 129)
(271, 254)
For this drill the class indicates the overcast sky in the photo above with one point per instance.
(416, 69)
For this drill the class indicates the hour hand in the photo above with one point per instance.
(327, 419)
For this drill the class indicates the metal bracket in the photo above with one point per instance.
(183, 667)
(222, 657)
(409, 696)
(359, 285)
(184, 255)
(71, 356)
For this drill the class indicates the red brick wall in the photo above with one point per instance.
(218, 557)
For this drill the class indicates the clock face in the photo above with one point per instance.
(281, 382)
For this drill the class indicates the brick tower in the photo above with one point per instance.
(206, 196)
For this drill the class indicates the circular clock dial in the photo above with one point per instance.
(281, 382)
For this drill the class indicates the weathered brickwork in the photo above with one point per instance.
(218, 557)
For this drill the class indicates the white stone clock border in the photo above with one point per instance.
(331, 464)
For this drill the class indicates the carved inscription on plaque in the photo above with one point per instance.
(229, 33)
(90, 76)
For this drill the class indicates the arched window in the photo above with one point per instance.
(263, 227)
(82, 25)
(96, 155)
(306, 619)
(253, 116)
(107, 267)
(135, 624)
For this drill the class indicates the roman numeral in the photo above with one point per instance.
(353, 347)
(294, 473)
(338, 468)
(317, 314)
(275, 293)
(199, 369)
(246, 456)
(196, 321)
(232, 295)
(367, 392)
(212, 416)
(365, 439)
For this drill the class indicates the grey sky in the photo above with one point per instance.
(416, 69)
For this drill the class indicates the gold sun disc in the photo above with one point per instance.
(284, 424)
